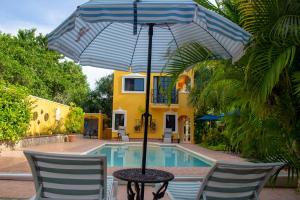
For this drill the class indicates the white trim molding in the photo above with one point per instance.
(119, 111)
(176, 120)
(133, 75)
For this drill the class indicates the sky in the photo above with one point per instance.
(45, 16)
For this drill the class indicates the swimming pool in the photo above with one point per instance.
(130, 155)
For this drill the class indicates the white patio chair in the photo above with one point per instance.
(167, 135)
(122, 134)
(226, 181)
(61, 176)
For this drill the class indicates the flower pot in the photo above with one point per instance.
(71, 138)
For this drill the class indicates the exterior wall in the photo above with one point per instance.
(133, 105)
(42, 108)
(107, 134)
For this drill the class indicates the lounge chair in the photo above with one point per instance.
(226, 181)
(122, 134)
(167, 135)
(61, 176)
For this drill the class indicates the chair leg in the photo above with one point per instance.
(204, 196)
(38, 194)
(115, 190)
(256, 197)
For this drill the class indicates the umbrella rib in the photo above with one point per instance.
(94, 38)
(174, 41)
(215, 39)
(137, 39)
(173, 35)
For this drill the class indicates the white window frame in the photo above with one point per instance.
(176, 120)
(120, 111)
(133, 76)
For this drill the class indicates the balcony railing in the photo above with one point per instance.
(161, 98)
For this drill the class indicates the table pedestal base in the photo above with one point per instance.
(160, 193)
(136, 195)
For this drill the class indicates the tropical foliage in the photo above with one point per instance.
(26, 61)
(100, 99)
(259, 94)
(15, 112)
(74, 119)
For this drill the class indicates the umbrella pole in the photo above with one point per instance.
(146, 114)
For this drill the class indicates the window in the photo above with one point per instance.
(119, 119)
(134, 84)
(160, 90)
(171, 121)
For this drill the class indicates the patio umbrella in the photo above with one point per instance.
(137, 35)
(210, 117)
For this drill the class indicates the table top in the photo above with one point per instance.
(151, 175)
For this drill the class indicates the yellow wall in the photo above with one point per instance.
(134, 105)
(42, 126)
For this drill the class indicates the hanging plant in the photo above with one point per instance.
(153, 126)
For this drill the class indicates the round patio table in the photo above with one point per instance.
(134, 176)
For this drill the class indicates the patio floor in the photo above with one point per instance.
(14, 161)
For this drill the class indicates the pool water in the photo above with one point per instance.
(125, 155)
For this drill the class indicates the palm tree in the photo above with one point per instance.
(263, 86)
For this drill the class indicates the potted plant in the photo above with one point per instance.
(137, 128)
(74, 122)
(153, 126)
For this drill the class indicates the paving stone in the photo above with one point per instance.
(15, 161)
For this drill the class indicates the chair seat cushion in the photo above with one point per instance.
(178, 190)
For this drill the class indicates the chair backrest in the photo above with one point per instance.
(236, 181)
(121, 131)
(61, 176)
(168, 132)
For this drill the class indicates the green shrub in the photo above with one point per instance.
(15, 113)
(74, 120)
(214, 137)
(199, 126)
(219, 147)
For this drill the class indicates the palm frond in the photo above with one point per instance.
(271, 20)
(258, 15)
(230, 10)
(265, 66)
(296, 80)
(185, 58)
(226, 8)
(287, 30)
(209, 5)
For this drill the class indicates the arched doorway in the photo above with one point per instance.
(184, 129)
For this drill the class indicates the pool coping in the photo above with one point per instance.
(207, 159)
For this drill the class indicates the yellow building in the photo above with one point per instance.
(174, 112)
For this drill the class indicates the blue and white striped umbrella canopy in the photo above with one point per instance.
(100, 33)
